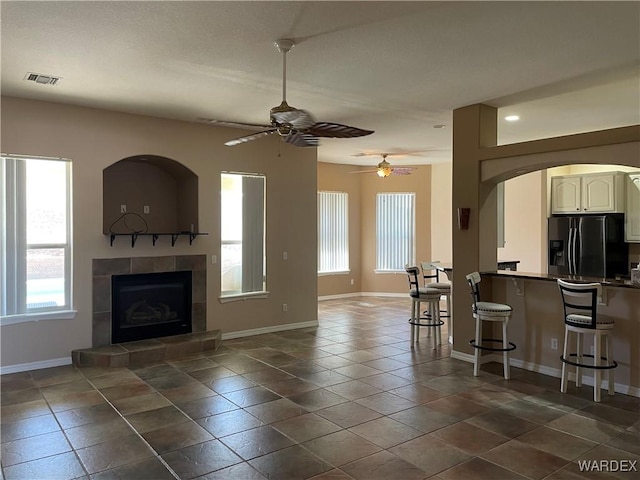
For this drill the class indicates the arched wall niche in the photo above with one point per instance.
(165, 186)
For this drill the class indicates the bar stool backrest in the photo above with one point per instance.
(580, 301)
(474, 279)
(414, 287)
(430, 272)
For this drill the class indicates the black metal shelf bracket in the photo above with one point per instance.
(154, 237)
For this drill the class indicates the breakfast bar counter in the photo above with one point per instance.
(537, 325)
(605, 282)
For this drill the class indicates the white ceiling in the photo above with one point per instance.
(398, 68)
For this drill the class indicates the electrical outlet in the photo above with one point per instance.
(554, 344)
(145, 209)
(285, 255)
(352, 281)
(284, 307)
(123, 209)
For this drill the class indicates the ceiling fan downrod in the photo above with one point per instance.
(284, 45)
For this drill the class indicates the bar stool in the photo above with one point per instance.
(418, 295)
(489, 312)
(580, 301)
(431, 278)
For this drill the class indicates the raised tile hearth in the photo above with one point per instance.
(147, 351)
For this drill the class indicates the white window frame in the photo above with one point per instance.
(395, 231)
(249, 269)
(333, 233)
(14, 246)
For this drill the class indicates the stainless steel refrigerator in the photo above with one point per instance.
(588, 246)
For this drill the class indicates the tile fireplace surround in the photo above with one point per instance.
(105, 268)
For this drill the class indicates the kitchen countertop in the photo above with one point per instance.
(606, 282)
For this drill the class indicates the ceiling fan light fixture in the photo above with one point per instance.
(384, 172)
(384, 168)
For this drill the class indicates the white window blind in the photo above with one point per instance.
(242, 232)
(333, 232)
(35, 236)
(395, 231)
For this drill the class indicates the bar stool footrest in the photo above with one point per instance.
(584, 365)
(420, 324)
(512, 346)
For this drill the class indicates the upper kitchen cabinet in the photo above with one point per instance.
(632, 217)
(589, 193)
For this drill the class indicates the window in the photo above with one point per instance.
(242, 234)
(395, 231)
(35, 238)
(333, 232)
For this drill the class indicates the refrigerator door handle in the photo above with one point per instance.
(572, 248)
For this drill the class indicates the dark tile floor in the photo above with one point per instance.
(346, 400)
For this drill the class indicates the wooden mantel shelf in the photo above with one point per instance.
(154, 236)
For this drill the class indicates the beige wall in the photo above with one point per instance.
(441, 225)
(362, 189)
(525, 217)
(336, 178)
(94, 139)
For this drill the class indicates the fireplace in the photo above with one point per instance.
(150, 305)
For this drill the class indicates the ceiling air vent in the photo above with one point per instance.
(42, 79)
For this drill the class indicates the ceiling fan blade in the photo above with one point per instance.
(402, 171)
(336, 130)
(223, 123)
(364, 171)
(298, 119)
(301, 139)
(248, 138)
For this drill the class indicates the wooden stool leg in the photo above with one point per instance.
(437, 336)
(449, 330)
(476, 355)
(597, 381)
(579, 359)
(609, 355)
(565, 370)
(505, 354)
(413, 319)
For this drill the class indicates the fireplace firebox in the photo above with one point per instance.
(150, 305)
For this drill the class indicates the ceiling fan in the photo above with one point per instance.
(384, 168)
(294, 125)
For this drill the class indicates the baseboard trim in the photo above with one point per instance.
(25, 367)
(339, 296)
(362, 294)
(273, 329)
(550, 371)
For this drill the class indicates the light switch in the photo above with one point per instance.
(284, 255)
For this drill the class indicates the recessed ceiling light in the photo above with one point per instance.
(512, 118)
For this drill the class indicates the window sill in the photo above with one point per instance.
(388, 271)
(338, 272)
(36, 317)
(243, 296)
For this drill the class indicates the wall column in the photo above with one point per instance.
(475, 249)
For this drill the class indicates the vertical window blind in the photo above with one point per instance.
(333, 232)
(395, 231)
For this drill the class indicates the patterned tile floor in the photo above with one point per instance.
(346, 400)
